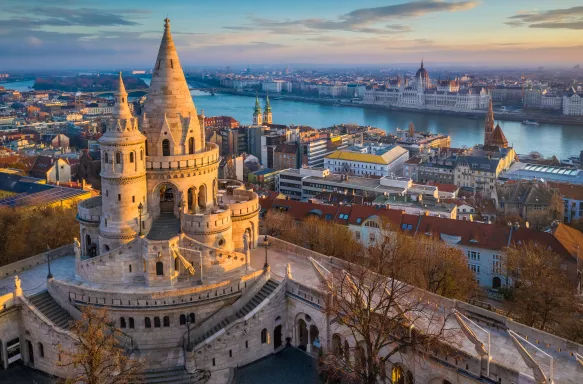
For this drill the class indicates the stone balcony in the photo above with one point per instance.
(89, 210)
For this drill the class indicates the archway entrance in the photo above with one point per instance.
(496, 282)
(315, 338)
(87, 243)
(302, 334)
(277, 337)
(30, 352)
(167, 194)
(202, 196)
(191, 199)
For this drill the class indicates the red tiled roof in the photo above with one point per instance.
(570, 191)
(570, 238)
(446, 187)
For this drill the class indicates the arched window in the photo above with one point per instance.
(105, 157)
(131, 157)
(156, 322)
(118, 158)
(397, 375)
(159, 268)
(191, 317)
(166, 321)
(41, 349)
(182, 319)
(122, 322)
(131, 323)
(165, 147)
(147, 322)
(264, 336)
(146, 145)
(191, 145)
(176, 264)
(141, 154)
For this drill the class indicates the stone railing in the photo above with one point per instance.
(22, 265)
(196, 223)
(178, 162)
(162, 298)
(229, 310)
(6, 301)
(90, 209)
(243, 202)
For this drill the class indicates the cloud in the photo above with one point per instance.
(364, 20)
(567, 18)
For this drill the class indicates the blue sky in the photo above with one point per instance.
(51, 34)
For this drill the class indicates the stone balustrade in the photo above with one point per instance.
(198, 223)
(90, 209)
(177, 162)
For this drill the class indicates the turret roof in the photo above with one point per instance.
(121, 110)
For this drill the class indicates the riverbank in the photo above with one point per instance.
(476, 115)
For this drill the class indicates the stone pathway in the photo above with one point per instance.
(34, 280)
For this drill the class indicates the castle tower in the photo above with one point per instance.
(123, 176)
(489, 125)
(169, 120)
(257, 116)
(267, 115)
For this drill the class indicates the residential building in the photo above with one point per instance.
(572, 195)
(220, 122)
(286, 156)
(573, 104)
(51, 169)
(265, 177)
(527, 171)
(384, 161)
(531, 200)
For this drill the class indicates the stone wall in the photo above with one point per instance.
(41, 258)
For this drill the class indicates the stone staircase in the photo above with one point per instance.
(175, 375)
(44, 302)
(165, 227)
(263, 293)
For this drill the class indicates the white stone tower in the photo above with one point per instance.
(257, 116)
(267, 115)
(170, 121)
(123, 176)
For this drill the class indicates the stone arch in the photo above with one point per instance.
(307, 332)
(496, 282)
(159, 268)
(158, 196)
(337, 345)
(192, 200)
(191, 145)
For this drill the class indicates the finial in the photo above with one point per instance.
(421, 62)
(166, 23)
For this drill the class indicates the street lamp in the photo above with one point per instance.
(266, 244)
(50, 275)
(188, 323)
(140, 210)
(180, 208)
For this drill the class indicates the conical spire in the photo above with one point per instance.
(257, 106)
(421, 62)
(267, 103)
(121, 110)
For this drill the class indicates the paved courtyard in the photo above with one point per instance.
(34, 280)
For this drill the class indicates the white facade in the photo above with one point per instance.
(276, 86)
(573, 105)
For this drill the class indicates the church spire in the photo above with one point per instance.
(121, 110)
(267, 115)
(257, 106)
(421, 62)
(267, 103)
(489, 124)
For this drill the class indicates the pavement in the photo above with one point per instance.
(34, 280)
(302, 269)
(18, 373)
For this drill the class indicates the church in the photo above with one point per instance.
(174, 255)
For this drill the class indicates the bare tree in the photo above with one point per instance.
(99, 356)
(384, 319)
(541, 295)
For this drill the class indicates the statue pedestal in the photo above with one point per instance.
(189, 363)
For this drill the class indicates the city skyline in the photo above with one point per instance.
(82, 34)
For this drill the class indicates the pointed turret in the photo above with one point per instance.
(267, 115)
(257, 116)
(257, 109)
(489, 125)
(267, 103)
(169, 111)
(121, 110)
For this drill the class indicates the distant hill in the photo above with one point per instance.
(87, 83)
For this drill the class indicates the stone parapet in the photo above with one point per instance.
(41, 258)
(89, 210)
(180, 162)
(217, 220)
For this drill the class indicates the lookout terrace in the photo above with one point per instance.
(175, 256)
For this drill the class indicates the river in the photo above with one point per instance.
(562, 140)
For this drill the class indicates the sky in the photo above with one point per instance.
(114, 34)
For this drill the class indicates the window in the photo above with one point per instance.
(474, 268)
(131, 157)
(357, 235)
(166, 147)
(41, 350)
(122, 322)
(264, 336)
(213, 361)
(372, 224)
(473, 255)
(133, 199)
(496, 264)
(191, 317)
(246, 344)
(230, 353)
(141, 154)
(118, 197)
(130, 268)
(105, 158)
(159, 268)
(166, 321)
(131, 322)
(371, 238)
(191, 145)
(106, 193)
(147, 322)
(156, 322)
(182, 319)
(118, 158)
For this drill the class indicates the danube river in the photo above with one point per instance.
(561, 140)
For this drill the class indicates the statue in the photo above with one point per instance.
(77, 248)
(17, 288)
(246, 242)
(288, 273)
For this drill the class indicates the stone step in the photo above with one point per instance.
(51, 309)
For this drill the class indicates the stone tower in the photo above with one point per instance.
(169, 120)
(267, 115)
(257, 116)
(123, 176)
(489, 125)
